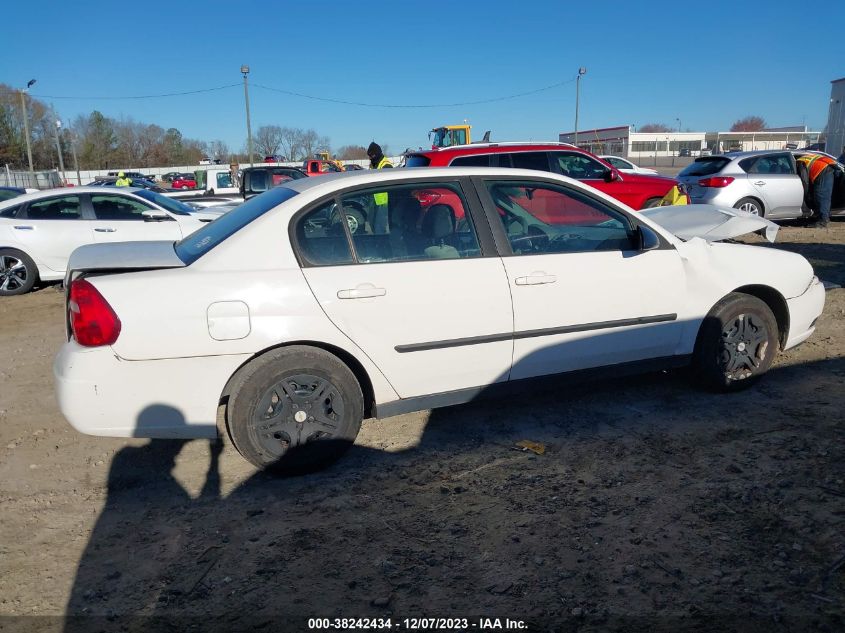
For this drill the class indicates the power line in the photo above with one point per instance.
(306, 96)
(167, 94)
(430, 105)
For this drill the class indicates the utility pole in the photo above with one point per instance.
(581, 71)
(26, 128)
(75, 160)
(59, 144)
(245, 71)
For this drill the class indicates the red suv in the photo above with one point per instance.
(638, 191)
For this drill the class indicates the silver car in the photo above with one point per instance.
(765, 183)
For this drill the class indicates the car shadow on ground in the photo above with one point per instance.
(647, 496)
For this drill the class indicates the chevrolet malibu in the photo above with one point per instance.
(327, 300)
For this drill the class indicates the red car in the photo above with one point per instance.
(184, 181)
(638, 191)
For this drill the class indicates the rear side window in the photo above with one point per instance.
(471, 161)
(60, 208)
(705, 166)
(197, 244)
(531, 160)
(417, 160)
(773, 164)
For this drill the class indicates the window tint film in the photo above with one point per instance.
(321, 237)
(471, 161)
(60, 208)
(109, 207)
(705, 166)
(578, 166)
(775, 164)
(541, 218)
(410, 222)
(530, 160)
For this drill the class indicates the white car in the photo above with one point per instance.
(39, 231)
(624, 165)
(327, 300)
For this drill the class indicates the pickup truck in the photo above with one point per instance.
(318, 167)
(215, 181)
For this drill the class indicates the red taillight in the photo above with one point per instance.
(92, 319)
(720, 181)
(427, 198)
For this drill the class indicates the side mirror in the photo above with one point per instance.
(649, 240)
(154, 215)
(612, 175)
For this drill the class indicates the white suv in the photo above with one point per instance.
(327, 300)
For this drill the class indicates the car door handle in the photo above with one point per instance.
(535, 279)
(24, 227)
(760, 182)
(361, 292)
(105, 229)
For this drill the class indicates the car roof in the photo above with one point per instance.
(506, 144)
(757, 152)
(66, 191)
(337, 180)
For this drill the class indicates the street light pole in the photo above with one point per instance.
(245, 71)
(679, 124)
(59, 146)
(26, 125)
(581, 71)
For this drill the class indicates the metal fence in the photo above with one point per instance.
(30, 180)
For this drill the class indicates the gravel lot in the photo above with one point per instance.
(655, 506)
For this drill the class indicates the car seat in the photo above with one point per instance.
(405, 239)
(439, 228)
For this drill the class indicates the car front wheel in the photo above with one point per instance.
(750, 205)
(294, 409)
(737, 343)
(18, 272)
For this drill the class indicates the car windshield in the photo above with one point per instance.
(705, 166)
(174, 206)
(197, 244)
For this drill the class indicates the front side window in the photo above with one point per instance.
(542, 218)
(224, 179)
(110, 207)
(59, 208)
(578, 166)
(619, 163)
(321, 237)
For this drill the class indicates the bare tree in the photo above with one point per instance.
(267, 140)
(290, 142)
(218, 149)
(655, 127)
(308, 143)
(751, 123)
(352, 152)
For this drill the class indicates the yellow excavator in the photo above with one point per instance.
(449, 135)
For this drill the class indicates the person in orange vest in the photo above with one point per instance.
(819, 171)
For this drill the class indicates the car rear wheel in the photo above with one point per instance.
(295, 409)
(737, 343)
(18, 272)
(751, 205)
(184, 187)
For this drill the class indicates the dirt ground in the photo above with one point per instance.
(656, 506)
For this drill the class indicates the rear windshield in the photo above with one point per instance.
(416, 160)
(705, 166)
(197, 244)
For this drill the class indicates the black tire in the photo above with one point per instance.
(752, 205)
(285, 384)
(18, 273)
(737, 343)
(652, 202)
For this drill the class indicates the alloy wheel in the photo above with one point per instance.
(13, 273)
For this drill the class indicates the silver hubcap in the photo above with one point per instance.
(750, 207)
(745, 345)
(13, 273)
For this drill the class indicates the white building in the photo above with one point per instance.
(624, 141)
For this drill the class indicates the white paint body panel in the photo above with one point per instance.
(166, 360)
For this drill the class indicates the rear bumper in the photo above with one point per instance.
(804, 310)
(102, 394)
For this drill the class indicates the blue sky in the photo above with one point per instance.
(707, 64)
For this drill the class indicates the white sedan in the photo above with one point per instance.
(626, 166)
(39, 231)
(327, 300)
